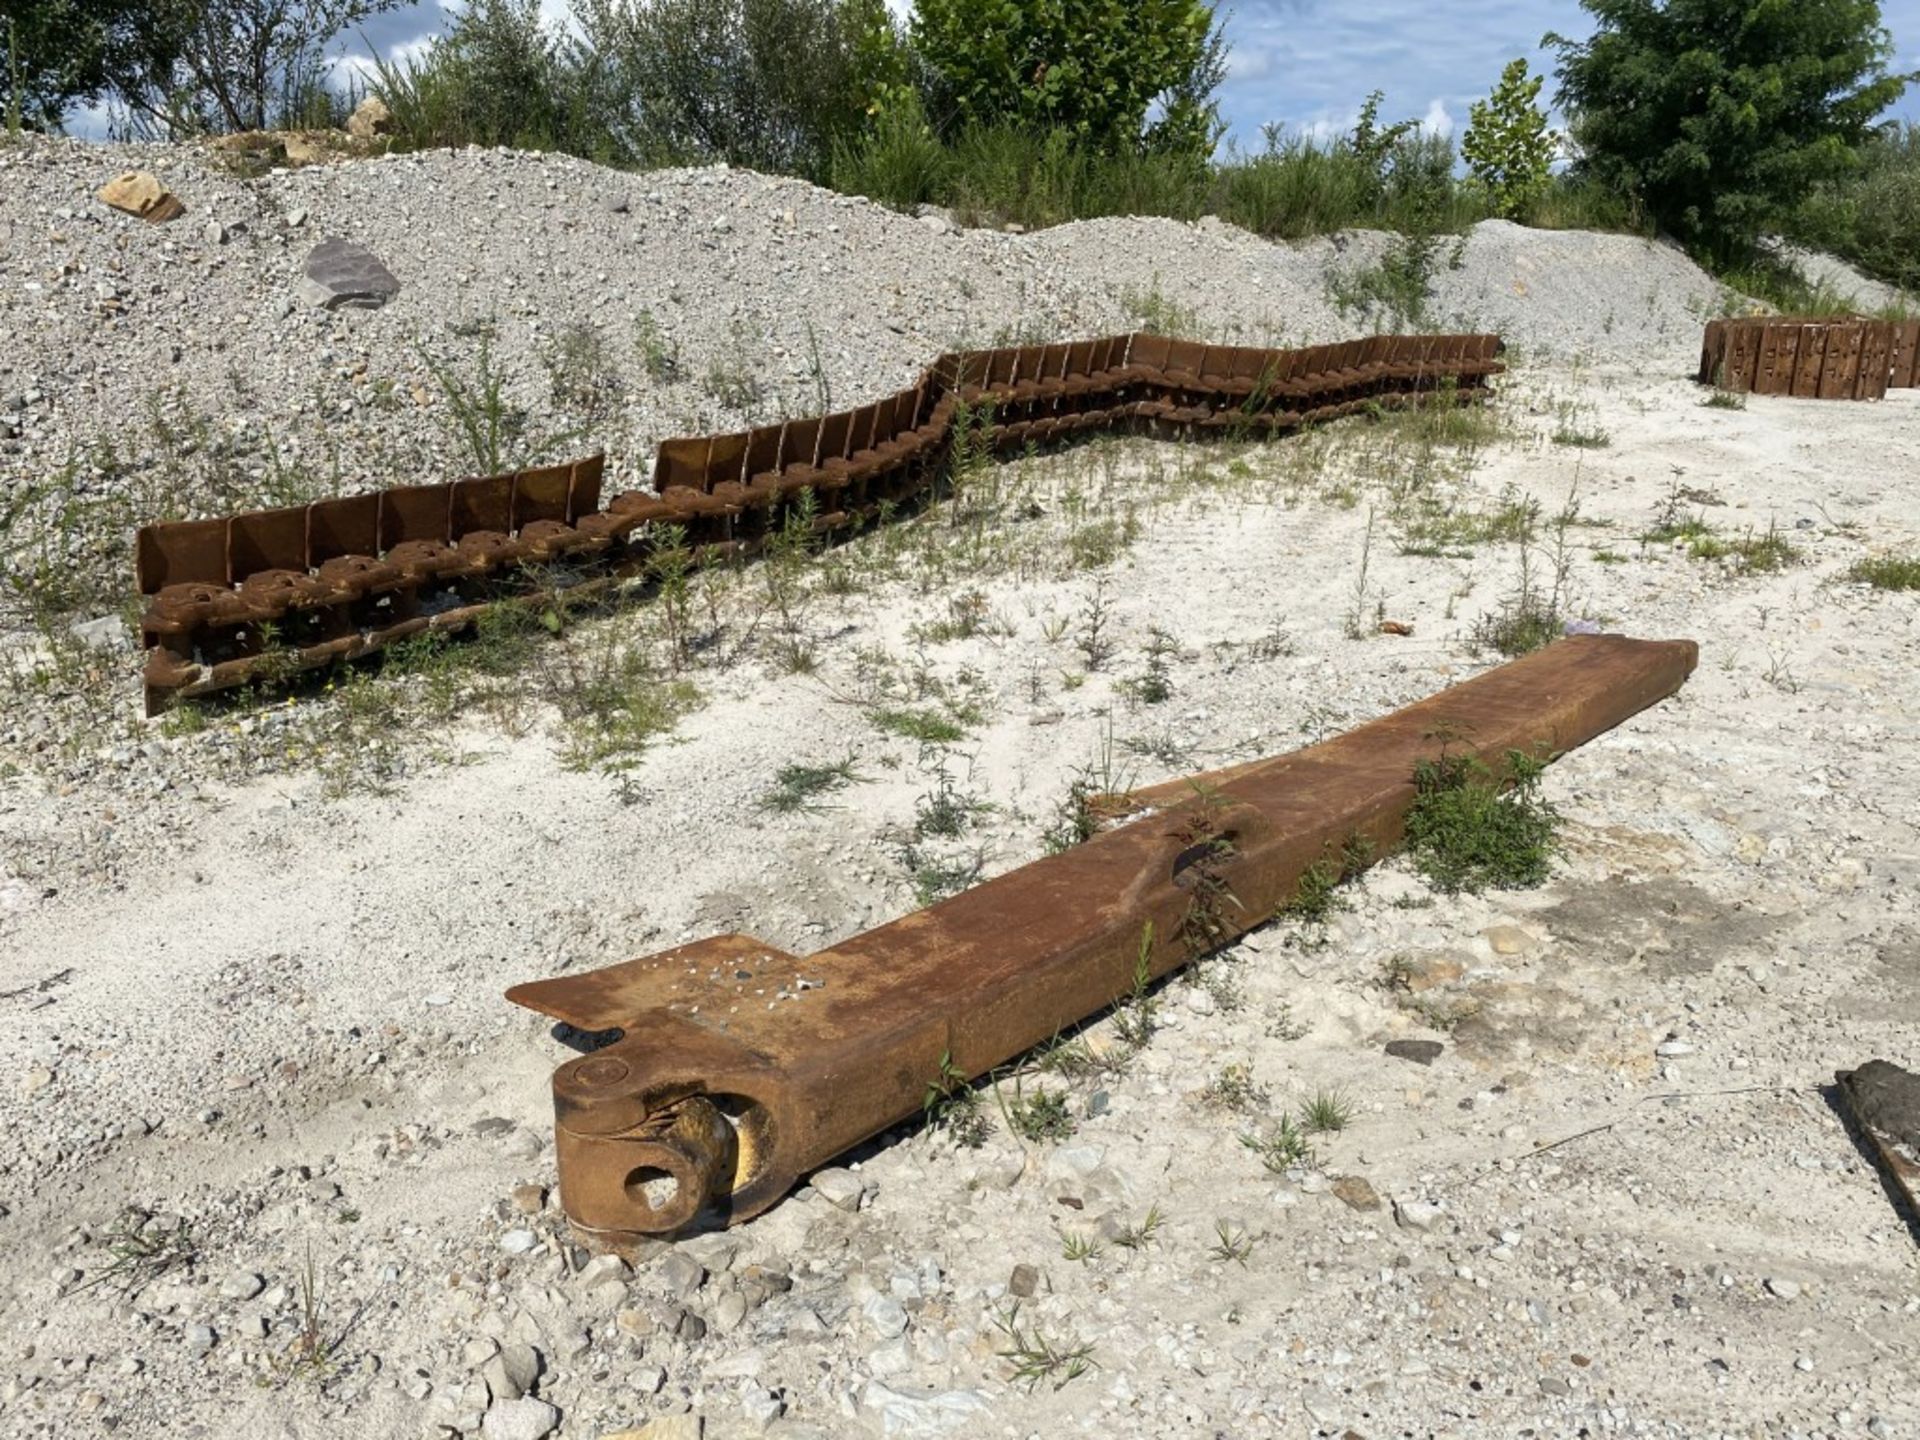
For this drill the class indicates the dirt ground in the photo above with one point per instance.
(247, 995)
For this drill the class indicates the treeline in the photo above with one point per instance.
(1716, 121)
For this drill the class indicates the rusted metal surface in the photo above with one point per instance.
(741, 1067)
(1847, 359)
(274, 591)
(1884, 1101)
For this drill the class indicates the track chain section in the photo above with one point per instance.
(1814, 359)
(261, 595)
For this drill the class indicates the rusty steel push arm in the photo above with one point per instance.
(742, 1067)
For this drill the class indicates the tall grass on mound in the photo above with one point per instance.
(1779, 283)
(1300, 186)
(1005, 175)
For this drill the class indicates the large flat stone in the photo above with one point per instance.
(341, 273)
(138, 193)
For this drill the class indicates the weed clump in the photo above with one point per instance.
(1888, 572)
(1467, 833)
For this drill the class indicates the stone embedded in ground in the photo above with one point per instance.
(1356, 1192)
(840, 1187)
(529, 1199)
(666, 1427)
(1420, 1052)
(523, 1419)
(511, 1372)
(340, 273)
(886, 1315)
(139, 194)
(370, 118)
(680, 1273)
(1507, 939)
(1416, 1214)
(1429, 972)
(1024, 1282)
(922, 1412)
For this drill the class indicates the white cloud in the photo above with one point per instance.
(1437, 121)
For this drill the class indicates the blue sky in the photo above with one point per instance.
(1309, 63)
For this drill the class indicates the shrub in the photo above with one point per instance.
(1465, 832)
(1091, 68)
(1508, 147)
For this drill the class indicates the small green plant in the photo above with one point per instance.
(491, 432)
(1139, 1237)
(1234, 1088)
(1724, 400)
(1234, 1245)
(1155, 685)
(1577, 437)
(1316, 896)
(612, 702)
(581, 372)
(1466, 832)
(1355, 624)
(1042, 1115)
(1034, 1357)
(659, 357)
(799, 787)
(1283, 1147)
(928, 727)
(1137, 1018)
(1153, 311)
(1326, 1112)
(1092, 639)
(952, 1104)
(141, 1248)
(1750, 554)
(314, 1350)
(1888, 572)
(1075, 821)
(730, 381)
(1079, 1247)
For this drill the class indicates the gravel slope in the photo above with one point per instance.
(814, 295)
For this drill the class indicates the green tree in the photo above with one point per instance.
(497, 77)
(1718, 115)
(771, 84)
(55, 54)
(1508, 147)
(1091, 68)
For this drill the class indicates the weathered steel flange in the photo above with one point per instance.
(802, 1058)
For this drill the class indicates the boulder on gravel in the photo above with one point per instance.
(341, 273)
(138, 193)
(370, 118)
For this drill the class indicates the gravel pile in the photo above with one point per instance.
(619, 308)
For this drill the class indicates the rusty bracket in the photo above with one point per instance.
(741, 1067)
